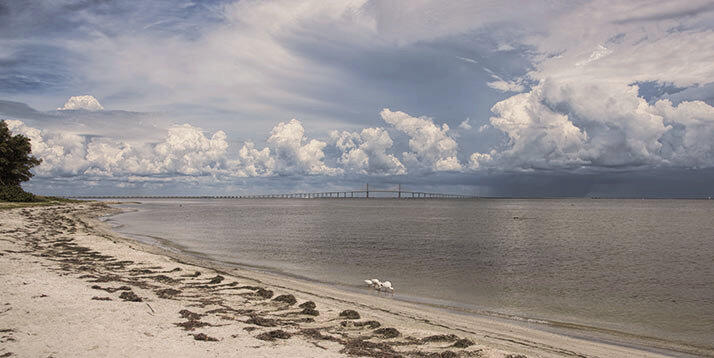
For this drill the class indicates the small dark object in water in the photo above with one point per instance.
(101, 298)
(310, 311)
(387, 332)
(463, 343)
(216, 280)
(350, 314)
(441, 338)
(204, 337)
(130, 296)
(289, 299)
(308, 304)
(260, 321)
(272, 335)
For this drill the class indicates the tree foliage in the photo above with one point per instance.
(15, 157)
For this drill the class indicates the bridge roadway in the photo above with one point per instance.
(348, 194)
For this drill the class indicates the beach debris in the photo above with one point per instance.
(361, 347)
(463, 343)
(192, 324)
(195, 274)
(261, 321)
(130, 296)
(516, 356)
(190, 315)
(272, 335)
(204, 337)
(111, 289)
(96, 298)
(310, 311)
(289, 299)
(440, 338)
(167, 293)
(387, 332)
(350, 314)
(308, 304)
(164, 279)
(448, 354)
(264, 293)
(216, 280)
(370, 324)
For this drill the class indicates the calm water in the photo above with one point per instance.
(638, 266)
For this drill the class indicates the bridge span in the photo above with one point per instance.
(366, 193)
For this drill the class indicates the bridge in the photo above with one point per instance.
(365, 193)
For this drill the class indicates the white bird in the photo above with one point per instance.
(368, 282)
(387, 286)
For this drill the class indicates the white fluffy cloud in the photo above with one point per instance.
(585, 109)
(294, 154)
(366, 152)
(431, 146)
(603, 125)
(85, 102)
(185, 151)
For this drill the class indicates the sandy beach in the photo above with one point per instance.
(72, 288)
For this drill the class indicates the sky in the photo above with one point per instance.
(489, 98)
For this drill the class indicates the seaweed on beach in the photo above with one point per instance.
(96, 298)
(463, 343)
(191, 324)
(216, 280)
(192, 275)
(361, 347)
(440, 338)
(369, 324)
(387, 332)
(263, 293)
(310, 311)
(204, 337)
(190, 315)
(308, 304)
(111, 289)
(130, 296)
(261, 321)
(168, 293)
(288, 299)
(350, 314)
(272, 335)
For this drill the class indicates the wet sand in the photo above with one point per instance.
(70, 287)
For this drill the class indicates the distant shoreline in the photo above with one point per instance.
(67, 255)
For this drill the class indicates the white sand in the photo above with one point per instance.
(46, 305)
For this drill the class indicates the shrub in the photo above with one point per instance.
(16, 194)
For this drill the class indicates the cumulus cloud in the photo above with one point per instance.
(184, 151)
(598, 125)
(431, 146)
(294, 154)
(62, 154)
(506, 86)
(85, 102)
(465, 125)
(365, 152)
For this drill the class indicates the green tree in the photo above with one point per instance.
(15, 158)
